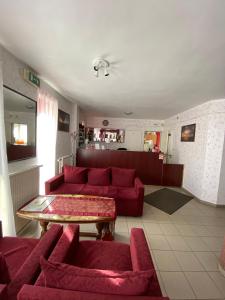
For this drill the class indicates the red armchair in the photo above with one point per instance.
(22, 257)
(101, 255)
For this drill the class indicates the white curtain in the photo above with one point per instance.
(47, 118)
(6, 205)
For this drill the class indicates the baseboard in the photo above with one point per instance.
(20, 231)
(202, 201)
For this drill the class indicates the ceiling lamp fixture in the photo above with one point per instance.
(101, 64)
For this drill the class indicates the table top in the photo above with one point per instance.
(70, 209)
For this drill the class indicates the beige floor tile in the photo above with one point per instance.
(135, 225)
(208, 260)
(188, 261)
(216, 231)
(121, 218)
(152, 228)
(166, 261)
(88, 227)
(177, 219)
(158, 242)
(219, 280)
(213, 243)
(162, 218)
(194, 220)
(176, 285)
(201, 230)
(122, 237)
(186, 230)
(121, 226)
(169, 229)
(203, 286)
(177, 243)
(196, 244)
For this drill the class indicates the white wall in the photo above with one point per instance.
(134, 130)
(201, 158)
(13, 77)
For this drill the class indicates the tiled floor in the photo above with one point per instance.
(185, 247)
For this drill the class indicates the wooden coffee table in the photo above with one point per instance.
(73, 209)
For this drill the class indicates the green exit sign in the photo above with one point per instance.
(31, 77)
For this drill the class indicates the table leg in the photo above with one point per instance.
(99, 227)
(44, 226)
(106, 231)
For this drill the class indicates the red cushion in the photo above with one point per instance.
(75, 174)
(99, 176)
(123, 177)
(63, 276)
(4, 273)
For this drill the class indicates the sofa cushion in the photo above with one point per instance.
(99, 176)
(63, 276)
(4, 272)
(95, 190)
(73, 174)
(69, 188)
(103, 255)
(123, 177)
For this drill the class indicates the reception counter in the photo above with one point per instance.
(149, 167)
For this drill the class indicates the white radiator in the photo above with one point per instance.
(24, 186)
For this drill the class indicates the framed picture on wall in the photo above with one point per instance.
(188, 133)
(63, 121)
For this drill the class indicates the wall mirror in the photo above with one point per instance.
(20, 125)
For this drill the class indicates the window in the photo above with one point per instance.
(19, 134)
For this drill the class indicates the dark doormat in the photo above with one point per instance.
(167, 200)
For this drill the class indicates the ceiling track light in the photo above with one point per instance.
(101, 64)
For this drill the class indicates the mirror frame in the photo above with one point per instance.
(23, 156)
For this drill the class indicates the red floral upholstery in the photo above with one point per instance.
(126, 189)
(99, 255)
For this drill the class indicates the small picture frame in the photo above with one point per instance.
(188, 133)
(63, 121)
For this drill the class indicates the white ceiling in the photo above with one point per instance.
(166, 55)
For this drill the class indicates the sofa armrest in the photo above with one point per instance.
(141, 259)
(29, 292)
(30, 269)
(64, 249)
(139, 250)
(3, 291)
(53, 183)
(139, 186)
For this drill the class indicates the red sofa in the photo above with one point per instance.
(20, 260)
(92, 255)
(120, 184)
